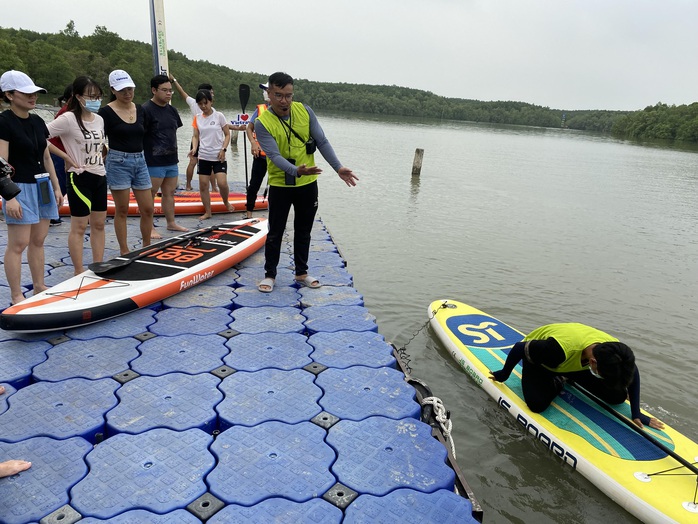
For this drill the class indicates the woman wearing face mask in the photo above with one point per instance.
(556, 353)
(82, 132)
(27, 214)
(124, 123)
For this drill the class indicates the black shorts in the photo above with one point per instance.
(208, 167)
(87, 192)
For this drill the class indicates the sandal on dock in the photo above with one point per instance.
(308, 281)
(266, 285)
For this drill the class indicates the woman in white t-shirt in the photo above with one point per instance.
(211, 139)
(82, 132)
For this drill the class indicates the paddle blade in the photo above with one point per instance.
(103, 268)
(244, 95)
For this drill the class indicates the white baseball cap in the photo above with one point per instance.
(18, 81)
(120, 79)
(264, 86)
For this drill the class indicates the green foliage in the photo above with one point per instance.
(54, 60)
(660, 121)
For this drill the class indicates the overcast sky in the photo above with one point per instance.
(565, 54)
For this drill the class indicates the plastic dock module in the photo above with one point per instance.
(175, 401)
(157, 471)
(341, 349)
(249, 352)
(378, 455)
(220, 404)
(281, 511)
(69, 408)
(57, 465)
(359, 392)
(140, 516)
(271, 459)
(408, 506)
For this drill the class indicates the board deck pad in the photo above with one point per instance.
(575, 428)
(139, 278)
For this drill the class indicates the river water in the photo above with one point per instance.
(532, 226)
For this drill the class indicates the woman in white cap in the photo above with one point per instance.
(125, 162)
(23, 144)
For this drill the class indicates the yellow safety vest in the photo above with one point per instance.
(573, 339)
(289, 145)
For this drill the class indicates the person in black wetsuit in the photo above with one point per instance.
(577, 353)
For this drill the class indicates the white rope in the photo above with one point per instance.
(444, 422)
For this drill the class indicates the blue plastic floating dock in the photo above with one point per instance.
(221, 404)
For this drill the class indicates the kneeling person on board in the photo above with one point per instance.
(581, 354)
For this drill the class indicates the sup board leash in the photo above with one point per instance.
(684, 463)
(402, 350)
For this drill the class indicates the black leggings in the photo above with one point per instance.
(540, 386)
(304, 200)
(259, 169)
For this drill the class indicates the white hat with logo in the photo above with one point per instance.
(119, 79)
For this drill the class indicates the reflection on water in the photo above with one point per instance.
(533, 226)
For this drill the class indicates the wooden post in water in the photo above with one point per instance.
(417, 164)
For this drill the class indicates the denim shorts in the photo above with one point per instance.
(127, 171)
(163, 171)
(32, 211)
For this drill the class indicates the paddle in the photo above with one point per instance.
(244, 98)
(631, 424)
(101, 268)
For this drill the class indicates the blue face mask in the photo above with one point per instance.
(93, 105)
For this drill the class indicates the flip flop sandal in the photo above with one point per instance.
(269, 283)
(309, 281)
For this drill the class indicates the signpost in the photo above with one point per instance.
(157, 29)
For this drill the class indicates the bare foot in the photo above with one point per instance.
(205, 216)
(229, 207)
(12, 467)
(177, 227)
(248, 214)
(2, 390)
(155, 235)
(17, 299)
(188, 188)
(39, 289)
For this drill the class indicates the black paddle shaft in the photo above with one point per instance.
(244, 98)
(691, 467)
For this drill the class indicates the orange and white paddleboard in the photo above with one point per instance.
(138, 279)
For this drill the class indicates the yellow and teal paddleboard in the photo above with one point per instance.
(650, 473)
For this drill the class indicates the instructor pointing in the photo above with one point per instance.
(289, 134)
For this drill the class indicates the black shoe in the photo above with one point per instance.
(56, 221)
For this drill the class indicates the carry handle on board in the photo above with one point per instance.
(103, 268)
(691, 467)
